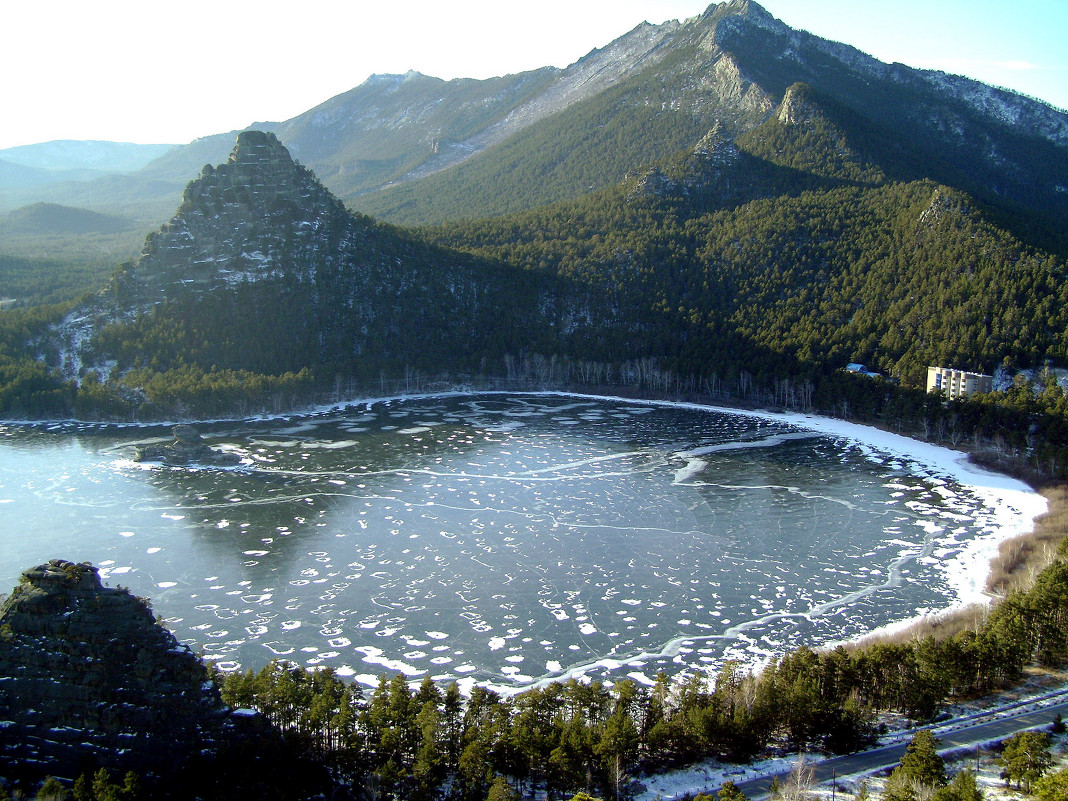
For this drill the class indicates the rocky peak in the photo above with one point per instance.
(706, 169)
(59, 577)
(88, 676)
(736, 14)
(244, 220)
(259, 153)
(945, 205)
(717, 146)
(743, 8)
(651, 183)
(259, 169)
(798, 106)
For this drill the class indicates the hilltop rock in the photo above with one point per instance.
(87, 676)
(797, 107)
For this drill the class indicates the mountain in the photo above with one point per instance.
(791, 229)
(792, 249)
(416, 149)
(262, 269)
(778, 255)
(732, 66)
(55, 254)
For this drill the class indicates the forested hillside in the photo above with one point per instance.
(789, 252)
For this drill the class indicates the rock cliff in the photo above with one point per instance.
(89, 678)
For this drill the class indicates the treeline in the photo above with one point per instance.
(426, 742)
(1023, 430)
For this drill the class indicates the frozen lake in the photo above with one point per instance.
(502, 539)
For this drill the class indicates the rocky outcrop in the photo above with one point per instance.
(188, 447)
(797, 107)
(88, 677)
(708, 170)
(256, 216)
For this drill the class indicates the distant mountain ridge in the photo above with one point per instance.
(78, 154)
(50, 218)
(412, 149)
(49, 163)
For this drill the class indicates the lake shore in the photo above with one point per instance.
(1019, 506)
(1015, 506)
(1022, 508)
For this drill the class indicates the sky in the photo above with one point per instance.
(166, 73)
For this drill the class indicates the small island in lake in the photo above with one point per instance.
(188, 447)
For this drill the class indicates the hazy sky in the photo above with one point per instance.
(155, 72)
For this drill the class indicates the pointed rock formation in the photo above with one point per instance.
(258, 215)
(797, 107)
(88, 677)
(262, 269)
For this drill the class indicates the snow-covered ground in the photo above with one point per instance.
(1018, 503)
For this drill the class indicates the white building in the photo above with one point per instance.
(957, 383)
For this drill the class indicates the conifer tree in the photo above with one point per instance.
(1025, 758)
(962, 788)
(1052, 787)
(729, 791)
(921, 760)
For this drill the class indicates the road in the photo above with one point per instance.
(968, 737)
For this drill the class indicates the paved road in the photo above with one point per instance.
(961, 739)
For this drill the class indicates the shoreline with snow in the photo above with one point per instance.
(1013, 504)
(1017, 504)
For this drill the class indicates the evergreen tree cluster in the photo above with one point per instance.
(899, 277)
